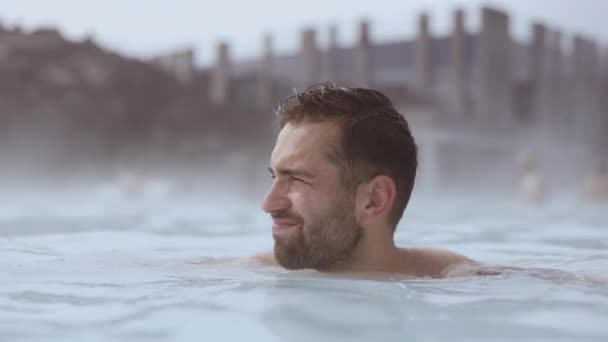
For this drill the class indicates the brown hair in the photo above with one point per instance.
(375, 138)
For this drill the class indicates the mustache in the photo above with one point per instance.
(285, 214)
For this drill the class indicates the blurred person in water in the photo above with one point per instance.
(343, 169)
(532, 188)
(595, 186)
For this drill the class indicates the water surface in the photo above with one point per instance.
(98, 265)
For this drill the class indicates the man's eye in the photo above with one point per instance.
(298, 179)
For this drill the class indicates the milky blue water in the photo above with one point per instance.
(96, 265)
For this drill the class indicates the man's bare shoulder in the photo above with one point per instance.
(431, 262)
(264, 259)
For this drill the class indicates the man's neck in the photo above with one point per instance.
(375, 253)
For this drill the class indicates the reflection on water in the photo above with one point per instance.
(93, 266)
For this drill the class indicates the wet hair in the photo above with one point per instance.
(375, 137)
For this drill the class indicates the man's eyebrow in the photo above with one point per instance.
(291, 172)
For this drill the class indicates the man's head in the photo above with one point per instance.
(344, 166)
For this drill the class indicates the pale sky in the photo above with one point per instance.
(145, 28)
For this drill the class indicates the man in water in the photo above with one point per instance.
(343, 170)
(595, 187)
(532, 189)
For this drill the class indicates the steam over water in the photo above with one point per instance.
(97, 263)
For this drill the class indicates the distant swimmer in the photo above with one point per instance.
(129, 182)
(532, 188)
(343, 170)
(595, 187)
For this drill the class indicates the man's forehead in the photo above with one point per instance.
(319, 129)
(305, 141)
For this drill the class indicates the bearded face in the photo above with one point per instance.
(321, 240)
(313, 214)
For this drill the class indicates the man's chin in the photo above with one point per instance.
(287, 238)
(288, 258)
(291, 266)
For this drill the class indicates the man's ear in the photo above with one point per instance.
(375, 198)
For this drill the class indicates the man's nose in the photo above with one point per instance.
(276, 199)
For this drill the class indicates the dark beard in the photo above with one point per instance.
(328, 242)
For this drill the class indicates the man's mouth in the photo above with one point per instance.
(282, 225)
